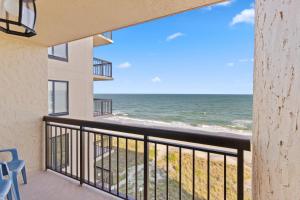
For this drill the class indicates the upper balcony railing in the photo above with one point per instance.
(102, 68)
(143, 162)
(102, 107)
(107, 34)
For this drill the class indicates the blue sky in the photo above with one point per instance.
(204, 51)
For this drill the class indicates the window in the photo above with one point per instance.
(58, 97)
(59, 52)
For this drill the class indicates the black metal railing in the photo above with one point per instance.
(101, 148)
(107, 34)
(102, 107)
(102, 68)
(144, 162)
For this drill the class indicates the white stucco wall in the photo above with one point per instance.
(276, 134)
(78, 71)
(23, 100)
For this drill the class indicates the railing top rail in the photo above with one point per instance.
(98, 99)
(226, 140)
(101, 61)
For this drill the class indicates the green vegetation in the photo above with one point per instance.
(216, 172)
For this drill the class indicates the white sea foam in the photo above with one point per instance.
(123, 118)
(119, 113)
(243, 124)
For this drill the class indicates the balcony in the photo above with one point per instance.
(102, 70)
(102, 107)
(102, 39)
(53, 186)
(142, 162)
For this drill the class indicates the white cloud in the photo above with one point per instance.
(230, 64)
(174, 36)
(124, 65)
(246, 16)
(156, 79)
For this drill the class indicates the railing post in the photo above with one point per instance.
(240, 175)
(146, 169)
(81, 156)
(46, 146)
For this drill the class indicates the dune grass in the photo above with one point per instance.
(216, 173)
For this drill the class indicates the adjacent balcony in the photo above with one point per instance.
(102, 70)
(102, 39)
(102, 107)
(129, 161)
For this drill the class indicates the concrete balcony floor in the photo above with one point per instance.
(102, 78)
(51, 186)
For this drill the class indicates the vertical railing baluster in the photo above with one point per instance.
(66, 151)
(225, 174)
(77, 154)
(51, 147)
(81, 156)
(146, 170)
(155, 170)
(208, 175)
(95, 160)
(102, 157)
(61, 150)
(71, 150)
(193, 174)
(118, 166)
(167, 176)
(136, 170)
(180, 173)
(46, 146)
(88, 155)
(126, 167)
(109, 163)
(56, 168)
(240, 174)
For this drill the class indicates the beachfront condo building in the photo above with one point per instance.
(72, 69)
(47, 109)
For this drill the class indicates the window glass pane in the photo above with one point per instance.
(60, 50)
(61, 99)
(50, 97)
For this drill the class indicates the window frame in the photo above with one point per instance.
(57, 57)
(53, 98)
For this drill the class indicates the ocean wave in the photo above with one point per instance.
(147, 122)
(119, 113)
(241, 124)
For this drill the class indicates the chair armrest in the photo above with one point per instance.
(13, 152)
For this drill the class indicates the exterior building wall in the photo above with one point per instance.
(276, 134)
(23, 103)
(78, 71)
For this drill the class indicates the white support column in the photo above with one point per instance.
(276, 133)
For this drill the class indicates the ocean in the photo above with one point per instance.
(226, 113)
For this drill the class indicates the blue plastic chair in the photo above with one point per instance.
(6, 186)
(16, 166)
